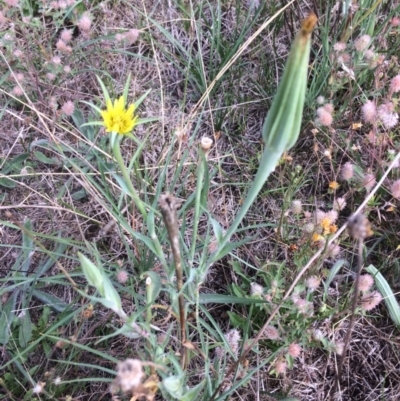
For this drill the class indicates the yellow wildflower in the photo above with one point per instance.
(325, 224)
(317, 238)
(117, 118)
(333, 185)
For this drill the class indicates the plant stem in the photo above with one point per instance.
(118, 157)
(353, 315)
(169, 212)
(268, 163)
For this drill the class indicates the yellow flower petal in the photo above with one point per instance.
(118, 119)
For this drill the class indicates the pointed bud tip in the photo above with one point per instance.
(309, 23)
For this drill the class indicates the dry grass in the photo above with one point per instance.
(63, 201)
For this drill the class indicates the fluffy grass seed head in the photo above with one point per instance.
(66, 35)
(271, 333)
(17, 91)
(313, 283)
(368, 182)
(324, 117)
(395, 189)
(132, 36)
(366, 282)
(339, 47)
(63, 47)
(395, 84)
(387, 116)
(370, 300)
(296, 207)
(309, 228)
(395, 21)
(347, 171)
(280, 366)
(368, 112)
(129, 374)
(38, 388)
(68, 108)
(233, 337)
(118, 119)
(85, 23)
(256, 289)
(304, 307)
(339, 204)
(122, 277)
(294, 350)
(334, 251)
(362, 43)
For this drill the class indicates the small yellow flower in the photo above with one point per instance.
(317, 238)
(117, 118)
(325, 223)
(333, 185)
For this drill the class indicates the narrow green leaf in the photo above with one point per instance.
(126, 89)
(227, 299)
(140, 100)
(104, 89)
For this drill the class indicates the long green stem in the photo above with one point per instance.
(125, 174)
(268, 163)
(199, 188)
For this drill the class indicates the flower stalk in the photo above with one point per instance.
(116, 149)
(282, 125)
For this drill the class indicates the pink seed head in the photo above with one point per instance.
(122, 275)
(395, 189)
(366, 282)
(371, 300)
(294, 350)
(362, 43)
(68, 109)
(347, 171)
(66, 35)
(368, 111)
(85, 23)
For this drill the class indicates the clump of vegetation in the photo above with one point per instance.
(194, 209)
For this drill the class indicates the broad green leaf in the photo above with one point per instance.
(44, 159)
(25, 329)
(387, 293)
(92, 273)
(174, 385)
(50, 300)
(7, 317)
(193, 393)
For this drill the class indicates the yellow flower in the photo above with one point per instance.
(333, 185)
(117, 118)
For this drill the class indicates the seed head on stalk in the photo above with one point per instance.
(282, 125)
